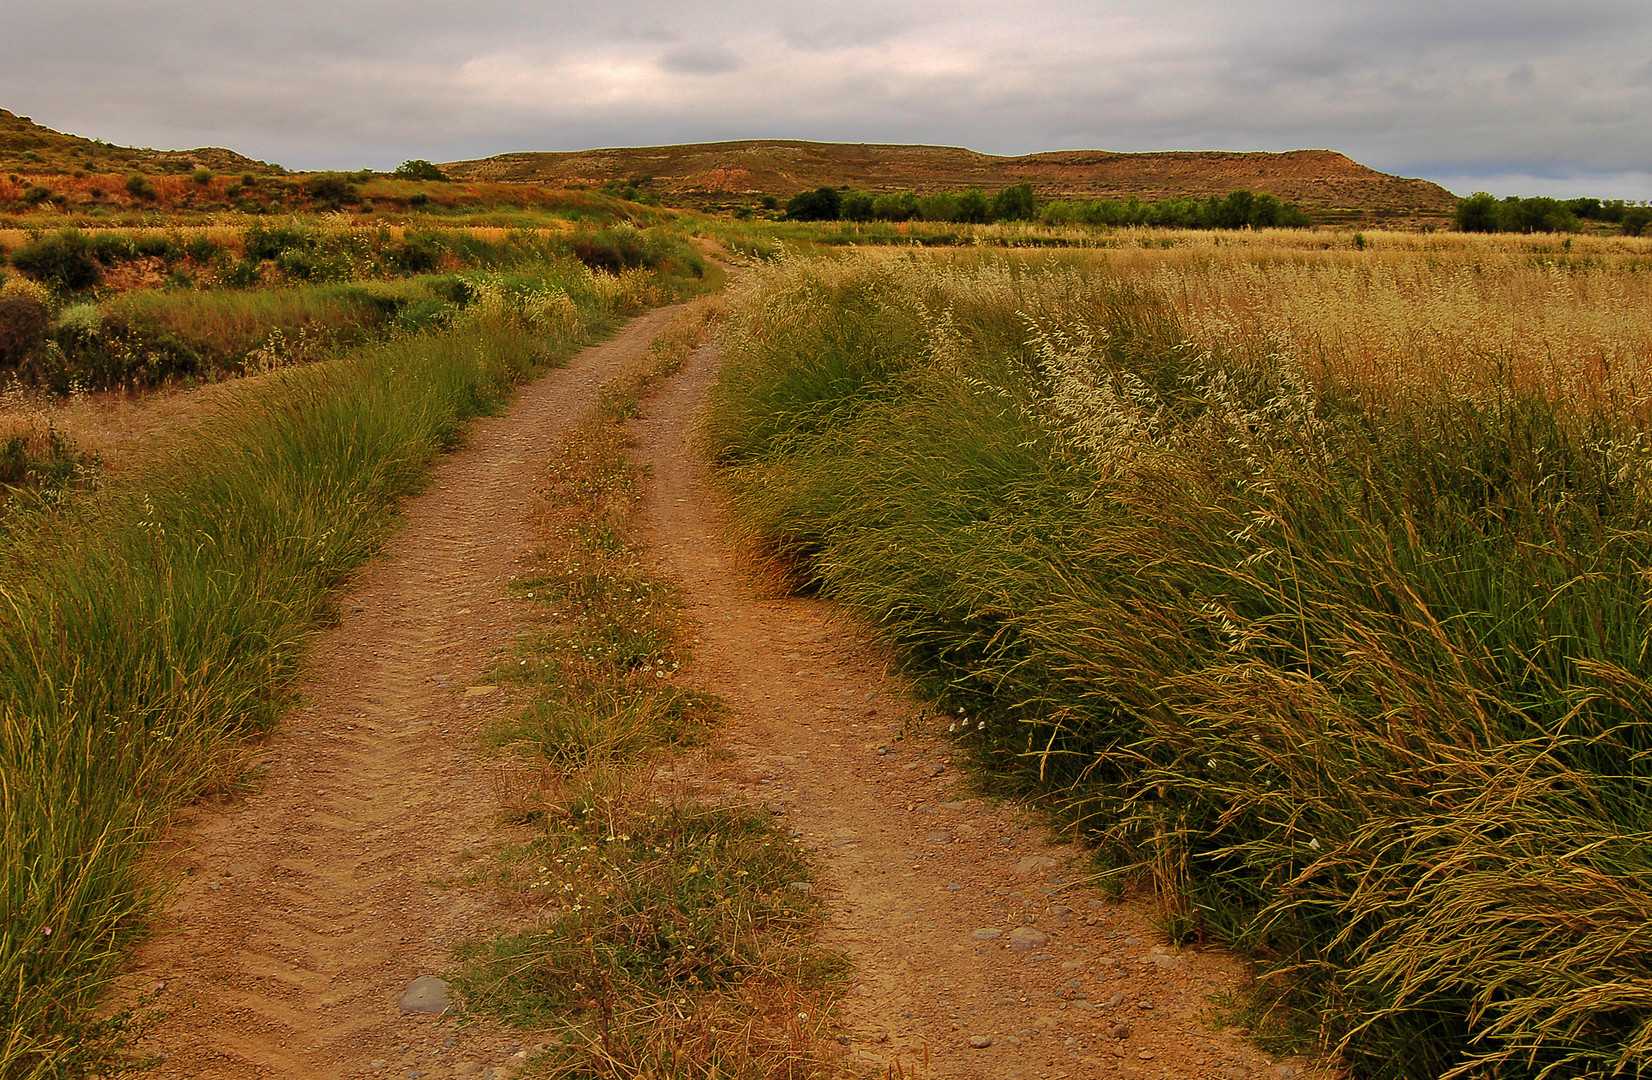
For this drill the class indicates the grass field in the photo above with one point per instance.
(1304, 575)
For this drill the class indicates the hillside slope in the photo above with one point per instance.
(1316, 179)
(28, 147)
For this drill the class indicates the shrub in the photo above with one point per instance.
(1636, 219)
(202, 177)
(203, 249)
(36, 194)
(64, 261)
(24, 324)
(139, 187)
(418, 169)
(331, 189)
(269, 241)
(155, 246)
(418, 253)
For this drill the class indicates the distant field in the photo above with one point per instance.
(1306, 580)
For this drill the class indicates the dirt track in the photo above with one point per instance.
(310, 906)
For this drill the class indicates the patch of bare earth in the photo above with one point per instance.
(307, 909)
(977, 953)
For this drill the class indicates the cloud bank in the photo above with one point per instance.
(1515, 97)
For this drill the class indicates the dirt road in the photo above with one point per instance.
(309, 908)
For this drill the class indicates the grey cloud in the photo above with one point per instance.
(701, 60)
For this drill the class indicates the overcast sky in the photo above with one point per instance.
(1515, 97)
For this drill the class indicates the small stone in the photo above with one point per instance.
(1132, 941)
(1011, 1040)
(426, 994)
(1027, 937)
(1144, 1004)
(378, 1064)
(467, 1068)
(1121, 1031)
(1115, 1001)
(801, 886)
(938, 836)
(1032, 864)
(936, 769)
(986, 933)
(1284, 1072)
(980, 1042)
(1146, 1055)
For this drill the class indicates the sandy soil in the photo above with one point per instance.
(307, 909)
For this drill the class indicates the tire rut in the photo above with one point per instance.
(306, 909)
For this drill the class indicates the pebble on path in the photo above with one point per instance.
(1027, 937)
(426, 994)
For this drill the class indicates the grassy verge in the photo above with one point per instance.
(149, 631)
(669, 937)
(1352, 673)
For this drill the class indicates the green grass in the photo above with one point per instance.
(672, 936)
(149, 631)
(1356, 684)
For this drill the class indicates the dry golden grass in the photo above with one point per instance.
(1569, 317)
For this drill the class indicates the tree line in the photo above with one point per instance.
(1486, 213)
(1237, 210)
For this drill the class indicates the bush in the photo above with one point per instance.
(65, 261)
(139, 187)
(418, 253)
(36, 194)
(24, 323)
(418, 169)
(269, 241)
(331, 189)
(1636, 219)
(202, 177)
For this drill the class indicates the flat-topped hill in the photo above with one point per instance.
(1315, 179)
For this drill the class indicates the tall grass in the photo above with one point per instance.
(1352, 670)
(146, 633)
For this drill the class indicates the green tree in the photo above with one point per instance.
(821, 204)
(973, 207)
(857, 206)
(1018, 203)
(1478, 213)
(1636, 219)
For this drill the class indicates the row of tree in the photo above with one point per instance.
(1238, 210)
(1486, 213)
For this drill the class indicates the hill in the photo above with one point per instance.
(28, 147)
(1318, 180)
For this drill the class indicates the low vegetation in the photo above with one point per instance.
(670, 936)
(275, 294)
(1308, 585)
(154, 627)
